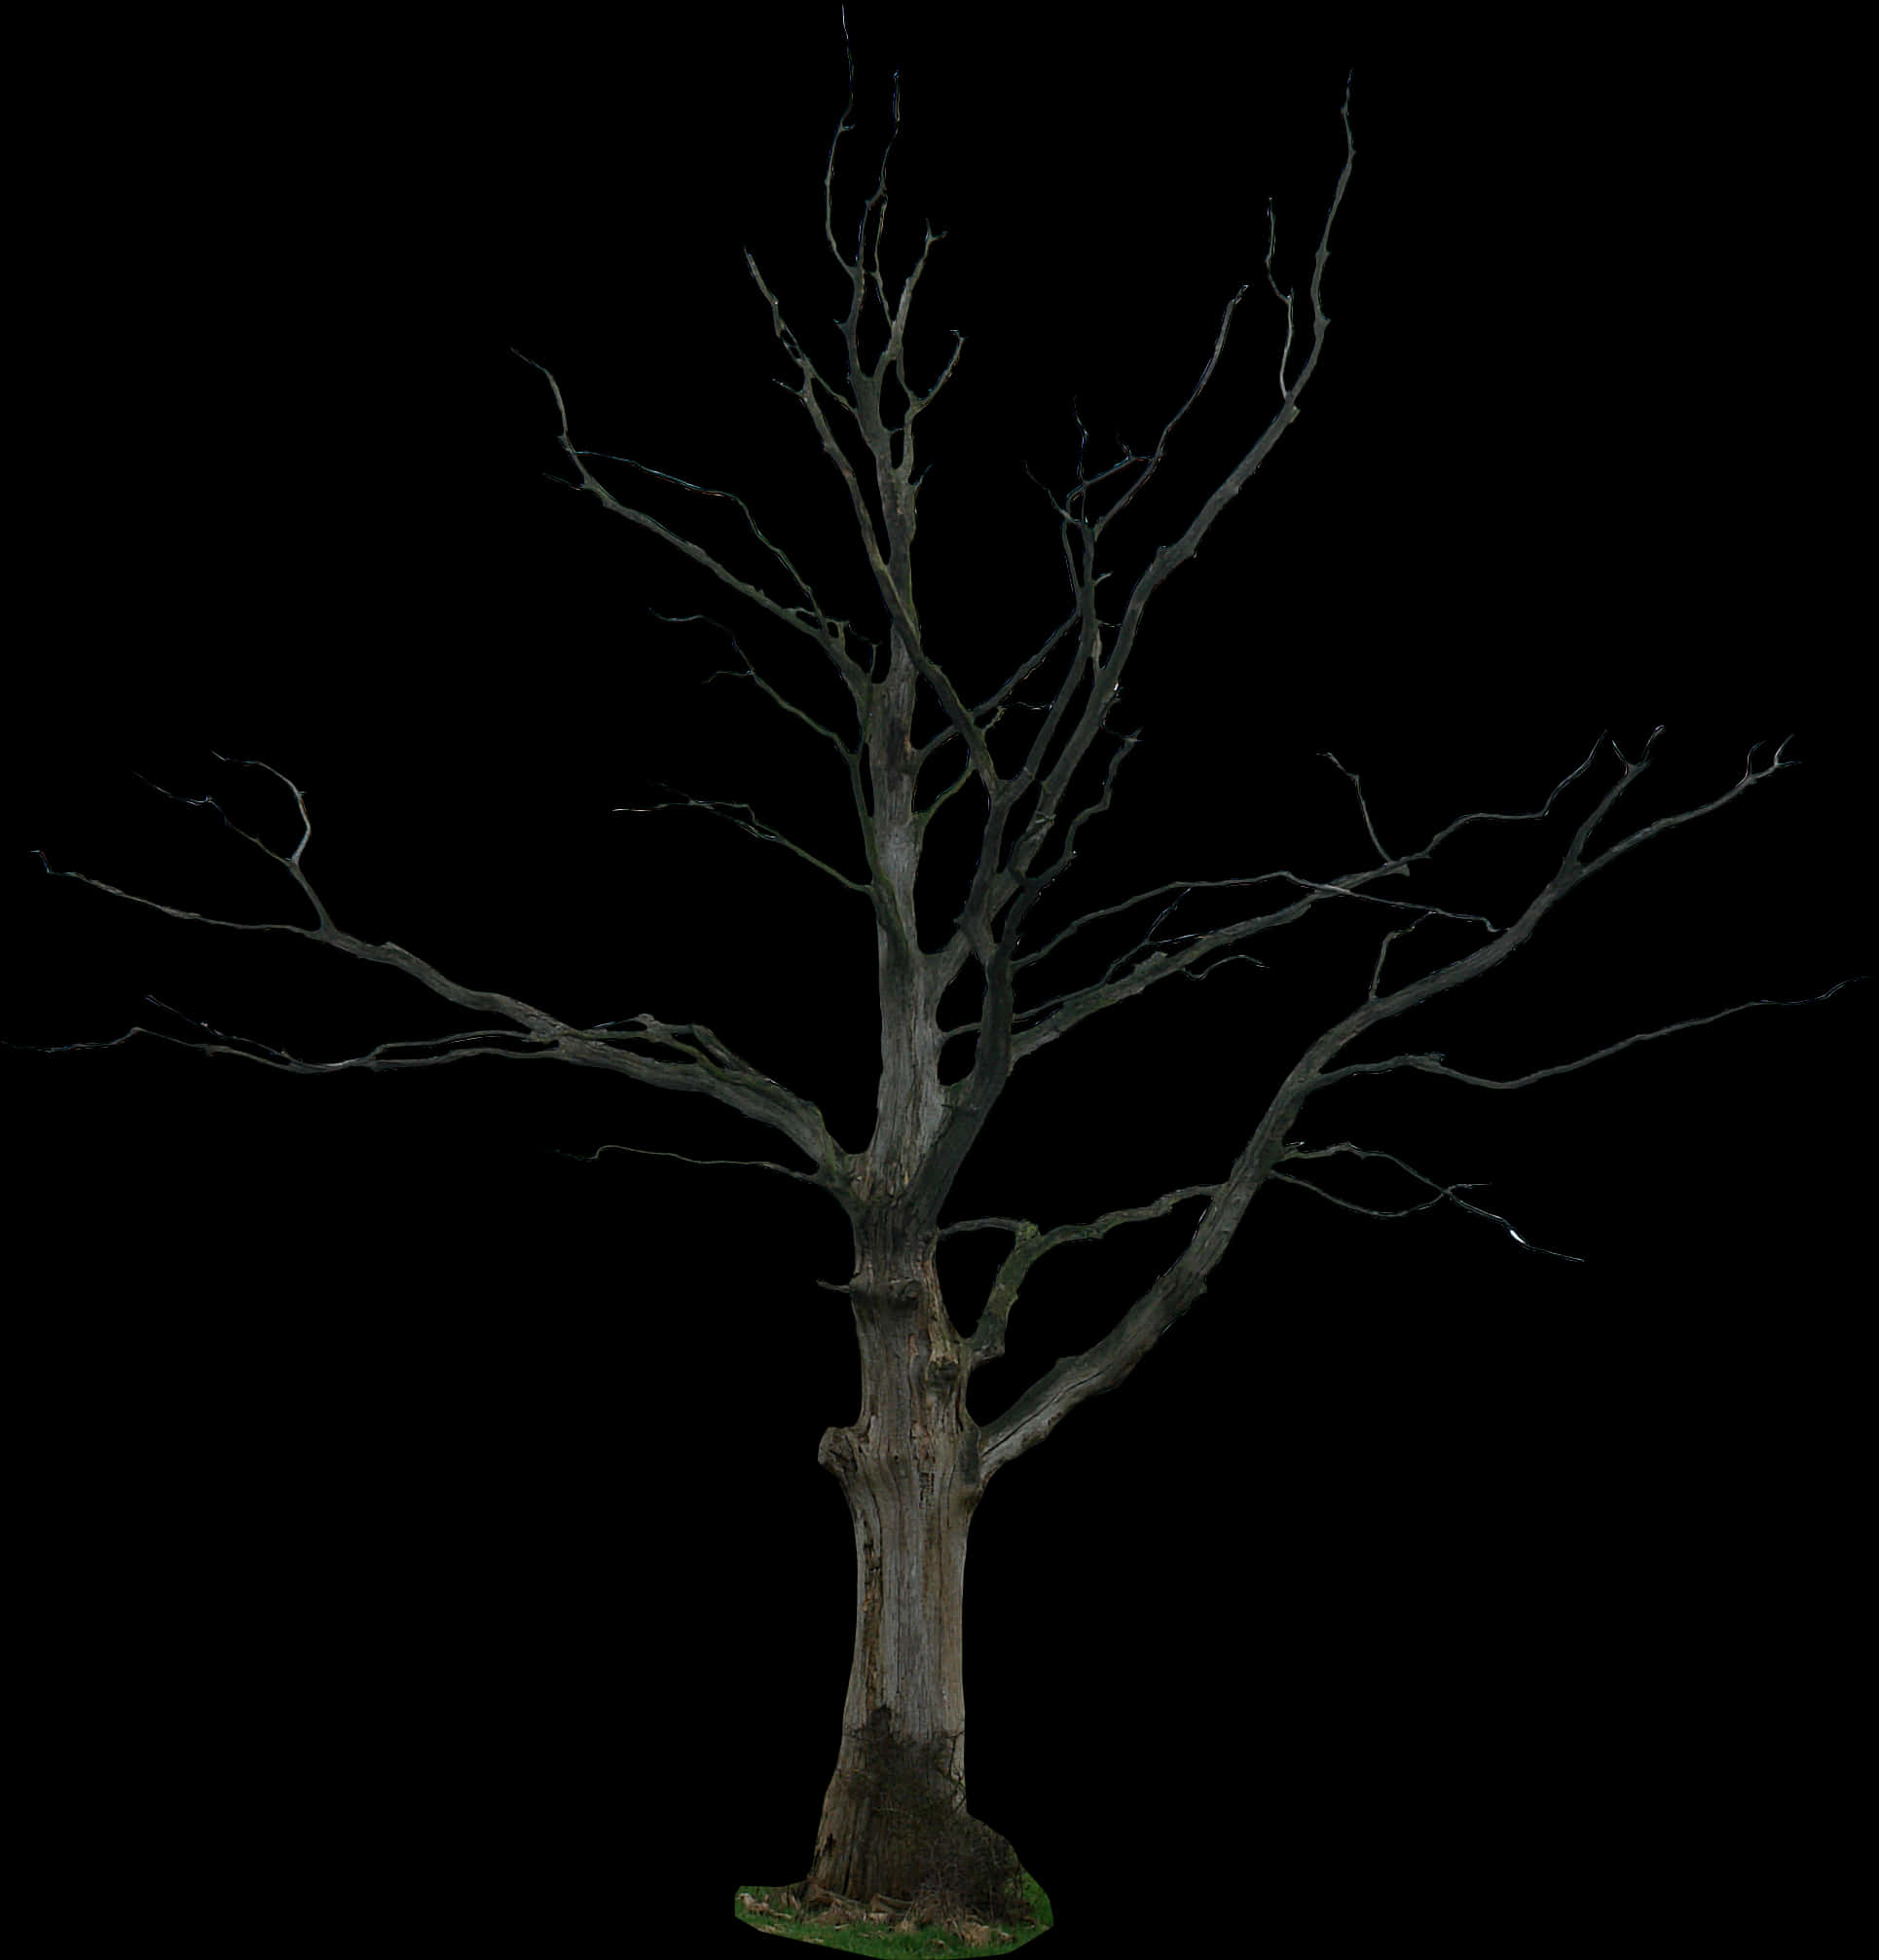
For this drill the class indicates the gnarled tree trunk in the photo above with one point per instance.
(895, 1823)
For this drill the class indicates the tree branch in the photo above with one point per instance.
(1065, 1010)
(678, 1157)
(993, 886)
(751, 824)
(1442, 1190)
(713, 1071)
(1157, 963)
(828, 633)
(1434, 1064)
(750, 673)
(375, 1058)
(1072, 1378)
(888, 550)
(987, 1340)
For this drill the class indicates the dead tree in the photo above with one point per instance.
(915, 1462)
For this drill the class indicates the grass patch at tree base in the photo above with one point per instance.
(885, 1928)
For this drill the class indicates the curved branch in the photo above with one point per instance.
(757, 531)
(1171, 557)
(1442, 1190)
(830, 634)
(750, 673)
(715, 1073)
(888, 548)
(1074, 1378)
(1066, 1010)
(1081, 1002)
(1434, 1064)
(678, 1157)
(755, 827)
(375, 1058)
(987, 1340)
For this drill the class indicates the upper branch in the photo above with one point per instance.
(829, 634)
(1171, 557)
(1156, 960)
(889, 546)
(752, 824)
(849, 754)
(996, 877)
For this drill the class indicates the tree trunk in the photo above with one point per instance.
(895, 1823)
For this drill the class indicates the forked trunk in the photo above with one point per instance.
(894, 1823)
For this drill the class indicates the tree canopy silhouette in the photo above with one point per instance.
(977, 775)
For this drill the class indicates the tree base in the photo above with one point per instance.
(895, 1826)
(809, 1911)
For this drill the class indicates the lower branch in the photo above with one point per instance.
(710, 1070)
(987, 1341)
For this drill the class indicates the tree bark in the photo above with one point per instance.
(895, 1823)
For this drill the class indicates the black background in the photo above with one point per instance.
(402, 1500)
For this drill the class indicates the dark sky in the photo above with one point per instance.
(1561, 471)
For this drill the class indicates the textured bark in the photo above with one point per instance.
(895, 1822)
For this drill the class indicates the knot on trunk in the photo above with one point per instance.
(837, 1451)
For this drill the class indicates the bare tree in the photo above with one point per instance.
(915, 1462)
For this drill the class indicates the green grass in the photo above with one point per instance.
(927, 1942)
